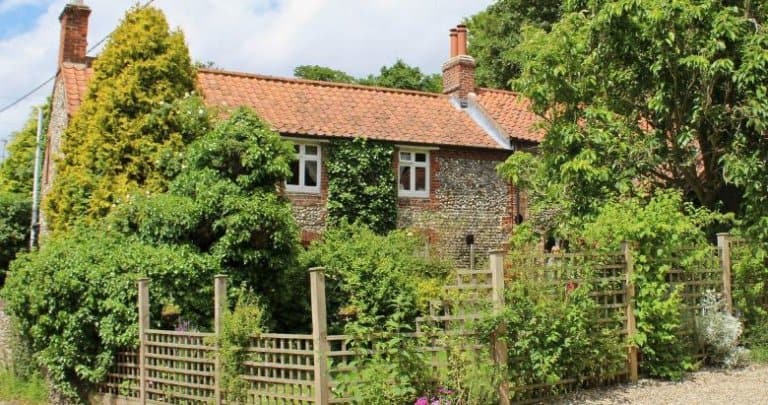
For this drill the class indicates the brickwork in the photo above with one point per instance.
(74, 33)
(459, 76)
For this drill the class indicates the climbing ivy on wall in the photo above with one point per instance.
(361, 183)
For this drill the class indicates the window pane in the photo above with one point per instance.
(421, 157)
(405, 178)
(296, 148)
(421, 178)
(294, 179)
(310, 173)
(310, 150)
(405, 156)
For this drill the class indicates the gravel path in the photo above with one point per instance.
(744, 386)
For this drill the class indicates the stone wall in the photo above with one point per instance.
(56, 127)
(466, 197)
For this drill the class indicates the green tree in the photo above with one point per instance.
(17, 170)
(322, 73)
(403, 76)
(16, 173)
(124, 133)
(646, 94)
(496, 31)
(398, 76)
(224, 203)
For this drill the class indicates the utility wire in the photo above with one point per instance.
(41, 85)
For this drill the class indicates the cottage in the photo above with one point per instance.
(447, 145)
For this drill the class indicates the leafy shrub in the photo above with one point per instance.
(553, 333)
(224, 204)
(720, 331)
(750, 290)
(15, 214)
(361, 183)
(668, 233)
(375, 283)
(75, 299)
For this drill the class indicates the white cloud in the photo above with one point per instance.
(260, 36)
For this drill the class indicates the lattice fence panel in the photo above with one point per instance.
(280, 369)
(558, 274)
(123, 378)
(180, 367)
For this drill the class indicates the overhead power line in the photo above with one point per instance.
(48, 80)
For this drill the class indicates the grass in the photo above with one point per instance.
(759, 354)
(31, 391)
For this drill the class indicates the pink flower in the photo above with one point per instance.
(422, 401)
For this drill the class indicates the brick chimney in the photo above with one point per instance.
(73, 40)
(459, 70)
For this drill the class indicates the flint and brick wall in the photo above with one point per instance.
(56, 127)
(466, 196)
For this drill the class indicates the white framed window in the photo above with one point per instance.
(413, 173)
(305, 170)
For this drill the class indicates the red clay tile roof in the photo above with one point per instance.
(76, 78)
(512, 112)
(305, 107)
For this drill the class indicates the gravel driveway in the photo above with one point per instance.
(744, 386)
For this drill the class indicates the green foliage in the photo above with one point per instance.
(224, 205)
(668, 233)
(496, 31)
(133, 120)
(361, 184)
(394, 374)
(75, 299)
(403, 76)
(15, 214)
(322, 73)
(553, 333)
(398, 76)
(750, 289)
(647, 93)
(17, 170)
(30, 391)
(470, 375)
(375, 283)
(238, 326)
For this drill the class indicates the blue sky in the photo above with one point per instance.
(19, 19)
(259, 36)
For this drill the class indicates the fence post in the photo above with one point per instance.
(219, 306)
(499, 344)
(629, 296)
(319, 335)
(143, 303)
(724, 250)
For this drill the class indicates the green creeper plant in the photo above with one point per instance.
(124, 131)
(361, 183)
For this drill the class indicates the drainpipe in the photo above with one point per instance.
(35, 226)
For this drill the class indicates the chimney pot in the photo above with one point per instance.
(462, 39)
(454, 42)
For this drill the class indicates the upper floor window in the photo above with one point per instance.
(305, 170)
(413, 174)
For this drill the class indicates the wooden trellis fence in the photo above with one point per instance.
(183, 368)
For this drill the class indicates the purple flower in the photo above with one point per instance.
(422, 401)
